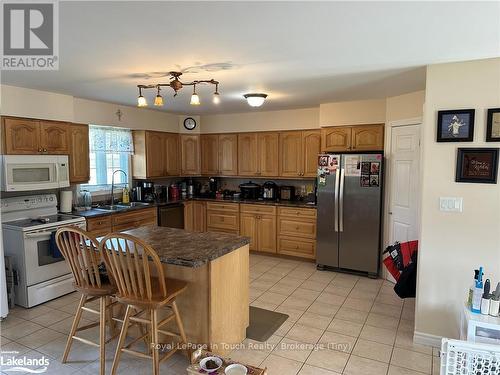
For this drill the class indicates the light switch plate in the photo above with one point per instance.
(451, 204)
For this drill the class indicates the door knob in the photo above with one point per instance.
(390, 212)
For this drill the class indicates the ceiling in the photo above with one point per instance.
(300, 53)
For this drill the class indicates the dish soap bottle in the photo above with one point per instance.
(477, 293)
(125, 195)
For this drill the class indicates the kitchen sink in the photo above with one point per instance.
(114, 207)
(133, 204)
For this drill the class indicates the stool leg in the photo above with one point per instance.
(74, 326)
(181, 327)
(154, 343)
(102, 334)
(110, 315)
(121, 340)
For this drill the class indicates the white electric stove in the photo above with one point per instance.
(28, 225)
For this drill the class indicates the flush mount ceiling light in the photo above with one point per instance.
(176, 84)
(255, 100)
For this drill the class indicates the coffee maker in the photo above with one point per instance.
(147, 189)
(213, 185)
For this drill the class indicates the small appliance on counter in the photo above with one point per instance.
(250, 190)
(270, 191)
(213, 186)
(287, 193)
(147, 189)
(161, 192)
(173, 192)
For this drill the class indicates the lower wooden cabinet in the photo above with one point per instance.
(259, 223)
(297, 232)
(223, 217)
(118, 222)
(195, 214)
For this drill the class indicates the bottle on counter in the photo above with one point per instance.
(125, 195)
(477, 294)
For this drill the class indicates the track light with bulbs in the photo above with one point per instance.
(176, 84)
(255, 100)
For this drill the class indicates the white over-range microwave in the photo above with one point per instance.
(34, 172)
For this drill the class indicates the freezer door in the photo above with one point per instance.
(360, 218)
(327, 240)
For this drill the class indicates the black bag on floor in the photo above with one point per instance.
(406, 287)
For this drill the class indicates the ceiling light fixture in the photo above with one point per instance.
(195, 99)
(255, 100)
(158, 99)
(176, 84)
(141, 100)
(216, 97)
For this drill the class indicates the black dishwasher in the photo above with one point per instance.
(171, 216)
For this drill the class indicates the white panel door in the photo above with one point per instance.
(404, 183)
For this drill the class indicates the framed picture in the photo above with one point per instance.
(493, 125)
(455, 126)
(479, 165)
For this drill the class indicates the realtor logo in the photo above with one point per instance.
(30, 36)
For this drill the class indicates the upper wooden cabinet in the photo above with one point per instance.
(228, 154)
(156, 154)
(209, 144)
(247, 154)
(353, 138)
(258, 154)
(54, 137)
(29, 137)
(190, 155)
(336, 138)
(298, 152)
(368, 138)
(79, 163)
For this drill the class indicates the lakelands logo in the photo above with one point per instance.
(30, 35)
(13, 364)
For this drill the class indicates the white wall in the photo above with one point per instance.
(454, 244)
(352, 113)
(307, 118)
(405, 107)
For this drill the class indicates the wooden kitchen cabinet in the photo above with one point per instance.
(31, 137)
(336, 139)
(298, 153)
(209, 145)
(21, 136)
(190, 155)
(268, 154)
(99, 226)
(228, 154)
(134, 219)
(223, 217)
(79, 162)
(368, 138)
(353, 138)
(54, 137)
(259, 223)
(248, 160)
(156, 154)
(297, 232)
(195, 216)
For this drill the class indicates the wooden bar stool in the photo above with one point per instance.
(81, 251)
(143, 287)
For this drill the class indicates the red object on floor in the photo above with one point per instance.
(391, 267)
(407, 249)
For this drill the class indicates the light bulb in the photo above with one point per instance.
(158, 100)
(216, 98)
(255, 100)
(141, 101)
(195, 99)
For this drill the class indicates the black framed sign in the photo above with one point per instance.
(455, 125)
(493, 125)
(478, 165)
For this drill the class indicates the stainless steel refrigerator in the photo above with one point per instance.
(349, 198)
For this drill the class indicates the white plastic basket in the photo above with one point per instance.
(468, 358)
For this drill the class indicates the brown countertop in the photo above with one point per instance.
(182, 248)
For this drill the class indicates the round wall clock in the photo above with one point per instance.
(189, 123)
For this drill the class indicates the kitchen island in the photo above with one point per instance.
(214, 308)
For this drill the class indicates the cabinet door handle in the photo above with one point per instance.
(39, 149)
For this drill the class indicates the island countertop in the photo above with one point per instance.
(189, 249)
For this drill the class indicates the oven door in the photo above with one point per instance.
(43, 259)
(34, 176)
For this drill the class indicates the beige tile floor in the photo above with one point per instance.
(338, 324)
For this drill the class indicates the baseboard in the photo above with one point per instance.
(427, 339)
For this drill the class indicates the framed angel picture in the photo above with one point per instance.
(455, 125)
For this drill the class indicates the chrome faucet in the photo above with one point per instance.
(113, 185)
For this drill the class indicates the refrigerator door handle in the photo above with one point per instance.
(341, 200)
(336, 200)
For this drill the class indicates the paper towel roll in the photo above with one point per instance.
(66, 201)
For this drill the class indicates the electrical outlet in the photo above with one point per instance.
(451, 204)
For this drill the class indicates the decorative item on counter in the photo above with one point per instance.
(477, 293)
(211, 364)
(87, 200)
(486, 299)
